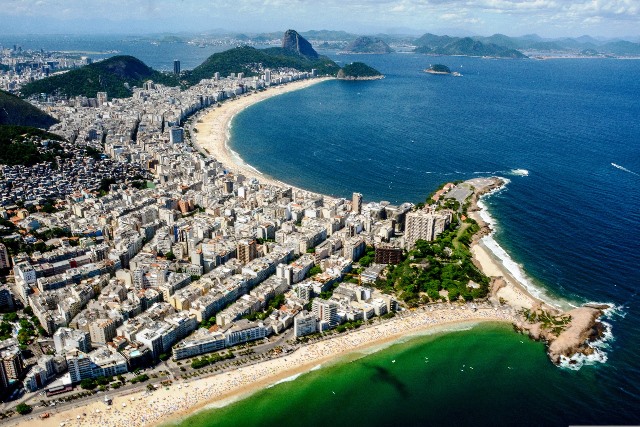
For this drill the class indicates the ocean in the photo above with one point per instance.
(566, 135)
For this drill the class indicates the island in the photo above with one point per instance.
(359, 71)
(370, 45)
(441, 69)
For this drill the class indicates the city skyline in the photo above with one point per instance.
(548, 18)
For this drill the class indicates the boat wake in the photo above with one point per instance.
(622, 168)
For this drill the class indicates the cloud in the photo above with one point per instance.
(353, 15)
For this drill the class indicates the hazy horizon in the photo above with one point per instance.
(547, 18)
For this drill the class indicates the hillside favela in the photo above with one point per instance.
(282, 213)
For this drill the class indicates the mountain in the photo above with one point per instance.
(251, 61)
(368, 45)
(445, 45)
(358, 71)
(111, 75)
(15, 111)
(296, 52)
(294, 42)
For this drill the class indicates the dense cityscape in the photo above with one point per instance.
(197, 259)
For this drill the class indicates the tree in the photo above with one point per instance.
(170, 256)
(88, 384)
(23, 409)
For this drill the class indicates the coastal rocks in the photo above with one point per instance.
(294, 42)
(569, 339)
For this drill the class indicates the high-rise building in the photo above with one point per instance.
(326, 312)
(176, 67)
(5, 261)
(425, 224)
(304, 324)
(102, 331)
(356, 203)
(176, 135)
(267, 77)
(247, 250)
(102, 98)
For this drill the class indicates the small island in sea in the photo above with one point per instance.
(359, 71)
(441, 69)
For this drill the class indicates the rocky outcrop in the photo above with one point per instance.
(294, 42)
(568, 339)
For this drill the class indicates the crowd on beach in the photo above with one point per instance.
(178, 400)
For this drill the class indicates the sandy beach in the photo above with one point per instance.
(212, 134)
(187, 396)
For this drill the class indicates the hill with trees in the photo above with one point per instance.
(359, 71)
(15, 111)
(22, 145)
(368, 45)
(112, 75)
(466, 46)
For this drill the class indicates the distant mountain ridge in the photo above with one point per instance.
(445, 45)
(367, 44)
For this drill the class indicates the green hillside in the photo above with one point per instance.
(358, 70)
(445, 45)
(108, 76)
(245, 60)
(20, 145)
(15, 111)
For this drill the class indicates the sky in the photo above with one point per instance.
(548, 18)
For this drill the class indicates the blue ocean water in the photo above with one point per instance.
(572, 222)
(564, 132)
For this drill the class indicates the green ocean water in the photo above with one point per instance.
(484, 375)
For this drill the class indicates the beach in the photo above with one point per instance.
(183, 397)
(212, 128)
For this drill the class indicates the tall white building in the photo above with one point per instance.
(425, 224)
(326, 312)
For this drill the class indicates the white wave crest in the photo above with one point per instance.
(599, 355)
(520, 172)
(285, 380)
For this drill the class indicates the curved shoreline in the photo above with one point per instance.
(170, 405)
(185, 397)
(213, 129)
